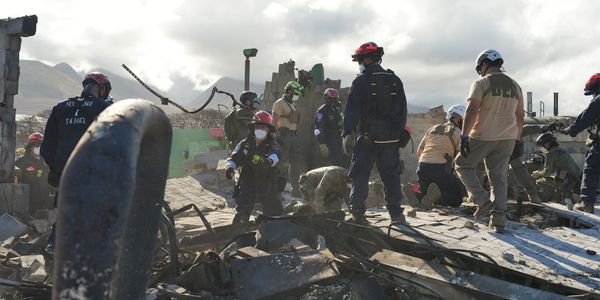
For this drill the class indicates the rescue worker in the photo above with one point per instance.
(376, 115)
(492, 124)
(325, 188)
(328, 128)
(67, 123)
(286, 119)
(560, 172)
(256, 156)
(435, 172)
(34, 172)
(237, 121)
(521, 174)
(589, 118)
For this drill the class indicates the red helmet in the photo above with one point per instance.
(98, 78)
(592, 86)
(263, 117)
(35, 138)
(365, 50)
(331, 93)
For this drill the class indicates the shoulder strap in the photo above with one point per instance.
(451, 137)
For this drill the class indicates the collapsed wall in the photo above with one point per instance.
(315, 84)
(11, 31)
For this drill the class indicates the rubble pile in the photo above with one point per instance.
(24, 268)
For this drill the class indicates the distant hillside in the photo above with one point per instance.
(42, 86)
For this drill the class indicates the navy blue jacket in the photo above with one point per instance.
(359, 95)
(66, 125)
(329, 122)
(587, 118)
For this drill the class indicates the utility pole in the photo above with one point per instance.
(250, 52)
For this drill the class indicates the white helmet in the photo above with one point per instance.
(456, 111)
(489, 54)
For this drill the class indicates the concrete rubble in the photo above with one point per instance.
(442, 254)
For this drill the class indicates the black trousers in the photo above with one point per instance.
(449, 184)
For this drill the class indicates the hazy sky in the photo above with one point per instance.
(181, 45)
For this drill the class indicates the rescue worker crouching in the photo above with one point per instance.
(237, 121)
(286, 118)
(256, 156)
(325, 188)
(34, 172)
(560, 172)
(435, 172)
(328, 128)
(589, 118)
(376, 111)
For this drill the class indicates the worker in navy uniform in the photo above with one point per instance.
(589, 118)
(66, 125)
(34, 172)
(256, 155)
(374, 121)
(328, 128)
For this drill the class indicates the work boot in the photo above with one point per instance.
(500, 229)
(359, 218)
(411, 196)
(534, 198)
(433, 195)
(399, 219)
(585, 207)
(483, 210)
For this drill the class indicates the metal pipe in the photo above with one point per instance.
(529, 103)
(247, 74)
(555, 104)
(111, 195)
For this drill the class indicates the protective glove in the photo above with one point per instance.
(550, 127)
(465, 149)
(563, 130)
(324, 151)
(517, 151)
(349, 143)
(229, 173)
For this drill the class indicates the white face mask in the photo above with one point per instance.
(260, 134)
(36, 151)
(295, 98)
(361, 68)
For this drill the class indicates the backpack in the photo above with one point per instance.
(381, 116)
(230, 128)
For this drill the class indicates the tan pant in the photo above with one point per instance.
(496, 155)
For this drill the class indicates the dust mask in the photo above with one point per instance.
(36, 151)
(260, 134)
(295, 98)
(361, 68)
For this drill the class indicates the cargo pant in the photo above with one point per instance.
(591, 175)
(523, 176)
(259, 188)
(387, 158)
(496, 155)
(288, 166)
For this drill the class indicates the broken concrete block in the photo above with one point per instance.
(246, 252)
(10, 227)
(41, 226)
(274, 275)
